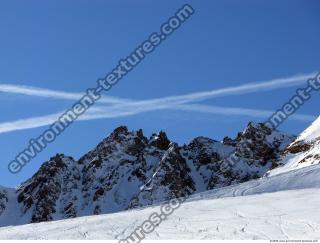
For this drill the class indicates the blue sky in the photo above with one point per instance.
(67, 45)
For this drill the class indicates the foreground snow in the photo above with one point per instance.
(281, 215)
(289, 211)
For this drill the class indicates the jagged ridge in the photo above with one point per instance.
(128, 170)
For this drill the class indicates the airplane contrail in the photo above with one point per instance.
(49, 93)
(192, 97)
(126, 107)
(108, 112)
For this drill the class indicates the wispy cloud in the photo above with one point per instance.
(125, 107)
(109, 112)
(28, 123)
(236, 111)
(33, 122)
(197, 96)
(49, 93)
(234, 90)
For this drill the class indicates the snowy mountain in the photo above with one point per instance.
(289, 211)
(303, 151)
(128, 170)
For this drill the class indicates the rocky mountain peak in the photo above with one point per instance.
(119, 132)
(140, 135)
(255, 131)
(159, 140)
(201, 142)
(262, 143)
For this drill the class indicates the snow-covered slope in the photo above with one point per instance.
(290, 211)
(305, 178)
(312, 132)
(302, 152)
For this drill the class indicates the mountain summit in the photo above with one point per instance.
(128, 170)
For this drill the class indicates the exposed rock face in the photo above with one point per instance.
(3, 200)
(205, 157)
(128, 170)
(261, 143)
(300, 153)
(297, 147)
(170, 179)
(254, 151)
(52, 192)
(160, 141)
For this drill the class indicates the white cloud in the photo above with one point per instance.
(197, 96)
(105, 112)
(235, 111)
(28, 123)
(48, 93)
(126, 107)
(235, 90)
